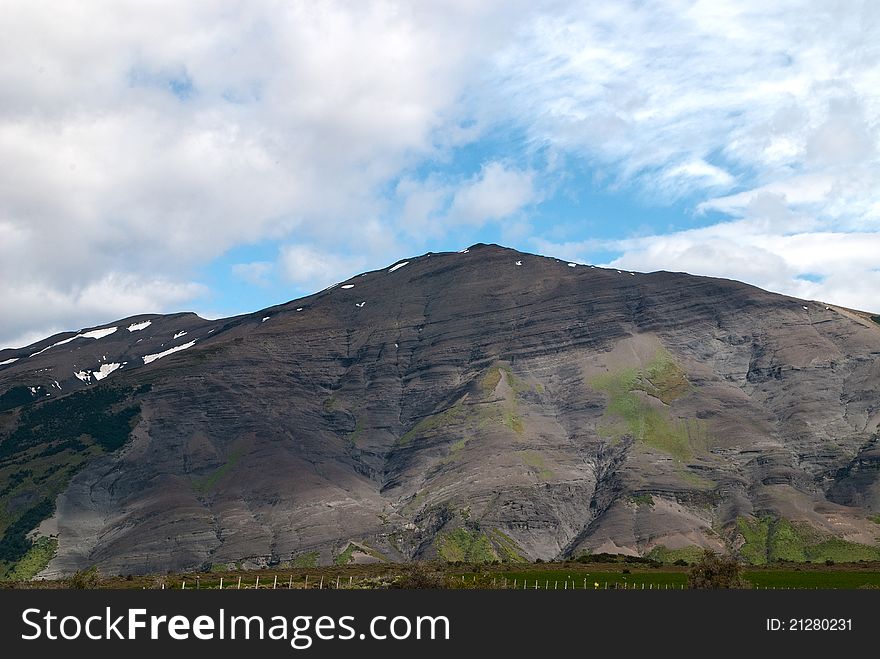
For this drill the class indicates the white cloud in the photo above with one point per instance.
(313, 268)
(145, 140)
(845, 263)
(495, 193)
(256, 272)
(114, 295)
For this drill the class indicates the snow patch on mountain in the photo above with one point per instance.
(151, 358)
(105, 370)
(398, 266)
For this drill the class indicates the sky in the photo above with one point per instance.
(222, 157)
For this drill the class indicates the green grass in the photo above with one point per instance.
(506, 546)
(666, 556)
(517, 385)
(769, 539)
(466, 546)
(307, 560)
(345, 557)
(628, 414)
(512, 420)
(663, 378)
(875, 519)
(205, 484)
(644, 499)
(34, 561)
(490, 380)
(536, 462)
(358, 430)
(760, 578)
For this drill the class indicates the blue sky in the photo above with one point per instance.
(227, 156)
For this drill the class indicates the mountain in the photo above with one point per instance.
(480, 405)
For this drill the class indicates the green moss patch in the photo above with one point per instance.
(490, 380)
(465, 546)
(207, 483)
(770, 539)
(357, 432)
(506, 547)
(536, 462)
(629, 413)
(643, 499)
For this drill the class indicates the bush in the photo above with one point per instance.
(714, 571)
(680, 562)
(85, 579)
(421, 576)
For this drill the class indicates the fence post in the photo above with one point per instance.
(290, 583)
(221, 583)
(585, 584)
(239, 582)
(349, 580)
(337, 582)
(555, 585)
(321, 585)
(257, 586)
(183, 585)
(275, 583)
(307, 583)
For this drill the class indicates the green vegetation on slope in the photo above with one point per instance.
(629, 413)
(206, 483)
(505, 545)
(465, 546)
(770, 539)
(643, 499)
(42, 449)
(449, 416)
(688, 555)
(345, 557)
(536, 461)
(359, 428)
(20, 395)
(34, 561)
(309, 559)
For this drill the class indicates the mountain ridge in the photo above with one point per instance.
(487, 404)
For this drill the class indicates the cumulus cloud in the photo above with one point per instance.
(310, 267)
(145, 139)
(140, 142)
(495, 193)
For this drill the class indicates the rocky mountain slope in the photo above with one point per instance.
(479, 405)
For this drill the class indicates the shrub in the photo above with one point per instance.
(85, 579)
(714, 571)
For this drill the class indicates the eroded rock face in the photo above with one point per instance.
(467, 405)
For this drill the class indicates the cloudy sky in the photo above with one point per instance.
(220, 157)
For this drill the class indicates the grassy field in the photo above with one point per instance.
(559, 576)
